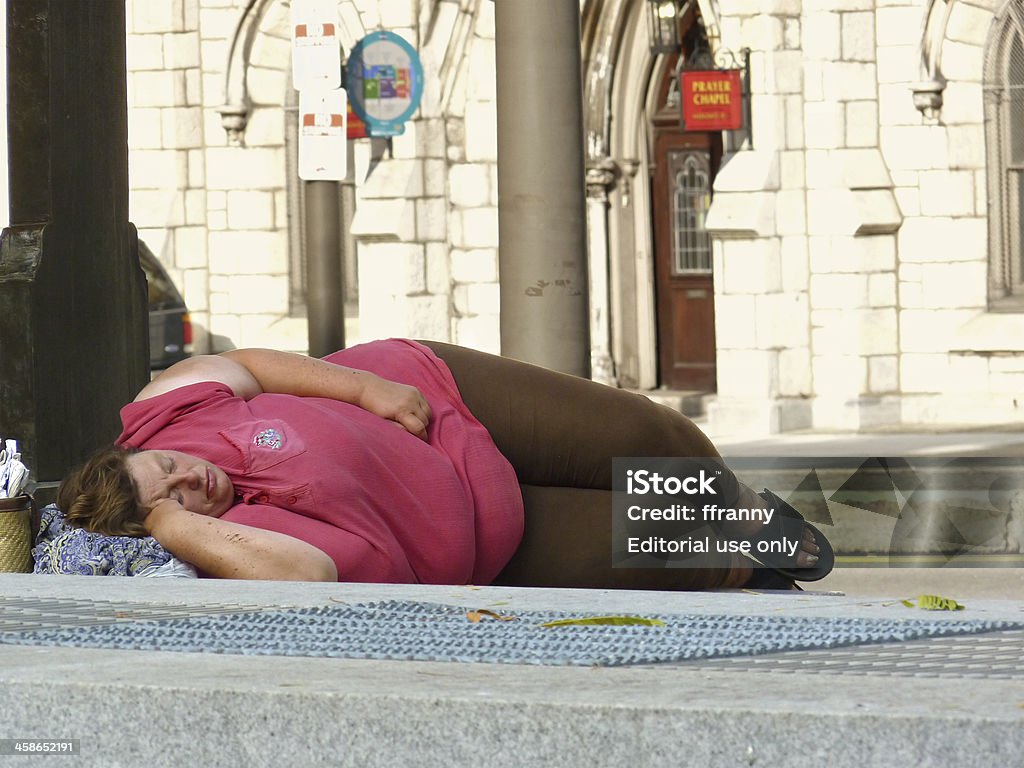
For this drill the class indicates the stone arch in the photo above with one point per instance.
(936, 19)
(262, 42)
(617, 81)
(620, 80)
(447, 32)
(961, 26)
(998, 30)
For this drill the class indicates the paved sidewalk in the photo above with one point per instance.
(953, 701)
(963, 584)
(889, 443)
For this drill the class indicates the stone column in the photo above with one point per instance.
(541, 212)
(73, 334)
(600, 176)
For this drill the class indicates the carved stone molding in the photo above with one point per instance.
(927, 93)
(928, 97)
(234, 113)
(600, 176)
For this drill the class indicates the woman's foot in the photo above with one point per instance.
(803, 561)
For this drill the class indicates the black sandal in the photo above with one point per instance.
(789, 524)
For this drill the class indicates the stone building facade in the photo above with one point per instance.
(863, 292)
(855, 255)
(223, 211)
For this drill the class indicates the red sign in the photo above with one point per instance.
(355, 127)
(712, 100)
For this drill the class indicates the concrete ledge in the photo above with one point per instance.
(171, 709)
(183, 709)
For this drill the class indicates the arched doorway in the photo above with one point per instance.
(684, 164)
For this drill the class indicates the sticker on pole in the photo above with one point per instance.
(385, 82)
(316, 50)
(322, 155)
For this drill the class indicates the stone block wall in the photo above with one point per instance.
(214, 213)
(850, 237)
(167, 168)
(427, 213)
(217, 214)
(876, 263)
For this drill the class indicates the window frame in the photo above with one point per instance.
(1006, 196)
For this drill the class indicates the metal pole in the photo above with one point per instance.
(325, 302)
(541, 199)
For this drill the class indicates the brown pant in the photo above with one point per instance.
(560, 433)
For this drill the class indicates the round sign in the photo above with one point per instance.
(384, 80)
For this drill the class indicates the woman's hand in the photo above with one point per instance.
(401, 403)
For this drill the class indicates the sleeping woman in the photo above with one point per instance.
(404, 462)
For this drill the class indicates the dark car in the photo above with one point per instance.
(170, 330)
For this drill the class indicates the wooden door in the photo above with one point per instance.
(684, 168)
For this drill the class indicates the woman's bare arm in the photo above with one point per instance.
(227, 550)
(248, 372)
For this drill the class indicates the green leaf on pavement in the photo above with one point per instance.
(619, 621)
(935, 603)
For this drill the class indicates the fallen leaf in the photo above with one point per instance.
(478, 615)
(606, 620)
(935, 603)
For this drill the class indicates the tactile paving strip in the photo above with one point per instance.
(432, 632)
(991, 656)
(19, 614)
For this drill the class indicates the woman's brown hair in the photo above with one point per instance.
(101, 496)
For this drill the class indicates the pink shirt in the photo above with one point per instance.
(385, 505)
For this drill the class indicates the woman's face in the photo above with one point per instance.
(197, 485)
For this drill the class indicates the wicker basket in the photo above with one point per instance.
(16, 522)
